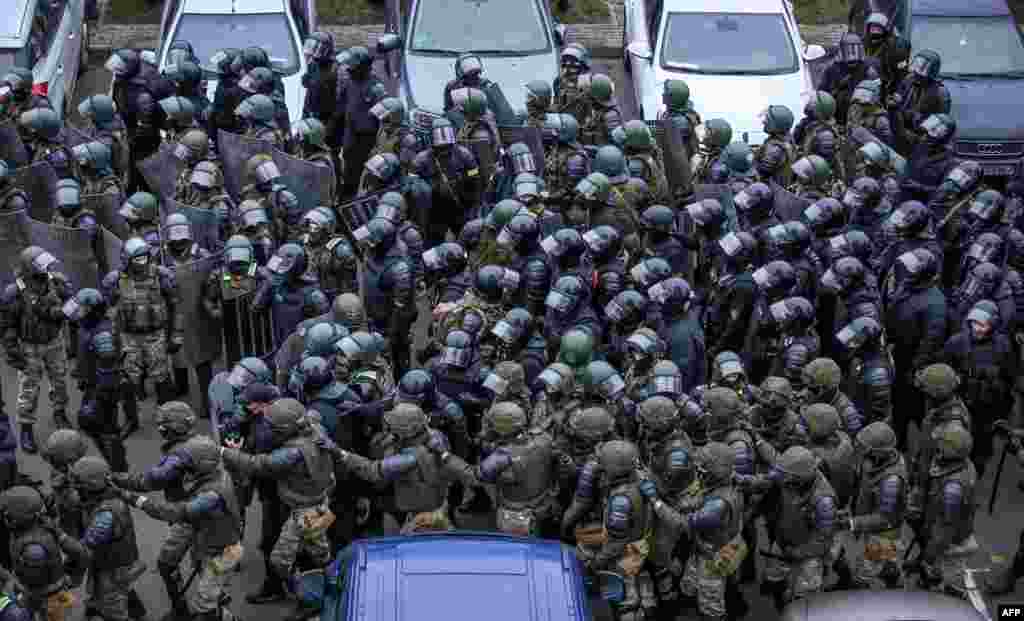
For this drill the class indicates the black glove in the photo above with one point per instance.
(173, 347)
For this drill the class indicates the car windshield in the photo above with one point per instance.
(971, 46)
(728, 43)
(210, 33)
(494, 26)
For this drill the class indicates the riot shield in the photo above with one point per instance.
(78, 260)
(202, 332)
(74, 136)
(15, 236)
(313, 184)
(674, 156)
(111, 250)
(235, 151)
(486, 157)
(205, 226)
(502, 110)
(723, 194)
(105, 206)
(12, 150)
(860, 136)
(39, 181)
(529, 135)
(817, 67)
(246, 332)
(356, 213)
(788, 206)
(222, 401)
(161, 171)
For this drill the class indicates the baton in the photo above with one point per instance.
(999, 475)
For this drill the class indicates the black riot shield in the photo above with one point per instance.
(860, 136)
(78, 260)
(15, 236)
(205, 226)
(222, 401)
(111, 250)
(356, 213)
(511, 134)
(161, 171)
(674, 156)
(723, 194)
(818, 66)
(105, 206)
(486, 156)
(39, 180)
(502, 110)
(788, 206)
(202, 332)
(313, 184)
(246, 332)
(12, 150)
(235, 151)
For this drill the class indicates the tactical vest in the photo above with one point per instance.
(527, 480)
(794, 519)
(216, 531)
(838, 460)
(74, 221)
(123, 551)
(422, 488)
(710, 541)
(142, 308)
(334, 276)
(640, 518)
(32, 328)
(671, 480)
(953, 412)
(379, 302)
(868, 498)
(306, 487)
(45, 575)
(935, 511)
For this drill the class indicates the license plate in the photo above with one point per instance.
(999, 170)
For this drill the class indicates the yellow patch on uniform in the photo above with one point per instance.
(473, 173)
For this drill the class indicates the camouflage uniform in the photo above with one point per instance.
(335, 266)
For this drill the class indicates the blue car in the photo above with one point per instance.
(457, 576)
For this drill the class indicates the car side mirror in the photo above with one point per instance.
(560, 33)
(640, 50)
(814, 52)
(388, 43)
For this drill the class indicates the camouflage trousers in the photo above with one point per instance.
(213, 578)
(110, 589)
(802, 577)
(177, 544)
(880, 564)
(427, 521)
(701, 581)
(952, 563)
(145, 355)
(305, 530)
(639, 601)
(52, 358)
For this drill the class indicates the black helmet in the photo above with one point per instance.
(708, 214)
(853, 243)
(566, 245)
(566, 295)
(910, 219)
(247, 371)
(21, 506)
(650, 272)
(738, 248)
(446, 259)
(673, 294)
(659, 218)
(845, 274)
(603, 242)
(858, 333)
(316, 372)
(755, 202)
(520, 233)
(916, 267)
(926, 65)
(416, 386)
(34, 262)
(775, 279)
(939, 129)
(492, 281)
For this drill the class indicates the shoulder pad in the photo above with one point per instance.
(10, 294)
(620, 514)
(166, 276)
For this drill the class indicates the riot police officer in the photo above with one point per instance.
(46, 144)
(289, 291)
(453, 172)
(931, 159)
(870, 373)
(565, 160)
(387, 279)
(362, 92)
(332, 260)
(777, 153)
(920, 94)
(604, 115)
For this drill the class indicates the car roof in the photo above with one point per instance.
(959, 8)
(881, 606)
(222, 7)
(14, 24)
(724, 6)
(493, 577)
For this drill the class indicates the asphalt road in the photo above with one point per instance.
(997, 534)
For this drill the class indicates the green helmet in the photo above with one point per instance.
(822, 421)
(513, 375)
(954, 443)
(576, 349)
(938, 381)
(141, 208)
(717, 133)
(738, 157)
(179, 110)
(287, 418)
(64, 447)
(676, 95)
(659, 414)
(812, 170)
(475, 105)
(821, 376)
(638, 136)
(591, 425)
(406, 421)
(21, 506)
(94, 155)
(659, 218)
(878, 442)
(310, 131)
(716, 463)
(175, 419)
(777, 119)
(820, 106)
(557, 378)
(610, 162)
(100, 109)
(197, 142)
(204, 454)
(90, 474)
(618, 458)
(503, 213)
(798, 465)
(42, 122)
(595, 187)
(506, 419)
(775, 392)
(602, 89)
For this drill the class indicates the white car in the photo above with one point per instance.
(737, 56)
(277, 26)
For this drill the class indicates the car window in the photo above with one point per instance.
(210, 33)
(979, 46)
(13, 58)
(497, 26)
(728, 43)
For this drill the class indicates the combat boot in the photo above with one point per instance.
(272, 589)
(165, 391)
(28, 440)
(130, 405)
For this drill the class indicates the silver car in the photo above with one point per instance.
(49, 37)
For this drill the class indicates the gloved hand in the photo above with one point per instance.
(436, 443)
(931, 575)
(131, 498)
(649, 489)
